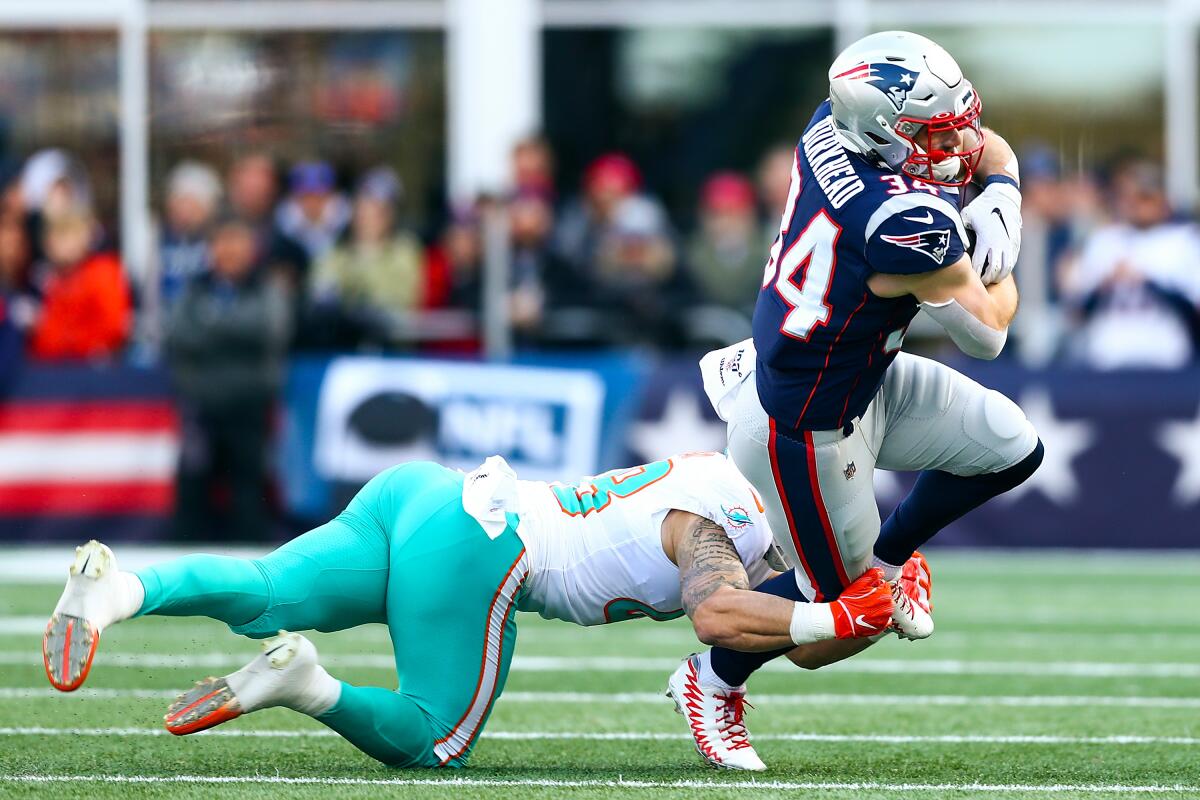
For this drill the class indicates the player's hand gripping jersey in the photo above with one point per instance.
(824, 340)
(595, 548)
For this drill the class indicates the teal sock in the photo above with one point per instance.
(387, 726)
(232, 590)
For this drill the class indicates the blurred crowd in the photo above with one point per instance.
(300, 257)
(264, 259)
(1123, 266)
(338, 266)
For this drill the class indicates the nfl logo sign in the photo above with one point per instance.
(850, 470)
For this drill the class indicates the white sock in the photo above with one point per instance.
(890, 571)
(811, 622)
(712, 679)
(132, 595)
(321, 694)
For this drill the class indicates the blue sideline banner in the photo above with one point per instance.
(351, 417)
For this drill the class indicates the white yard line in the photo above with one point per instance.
(49, 564)
(22, 625)
(654, 698)
(1072, 669)
(645, 736)
(979, 788)
(672, 637)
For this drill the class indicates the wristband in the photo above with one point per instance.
(811, 622)
(989, 180)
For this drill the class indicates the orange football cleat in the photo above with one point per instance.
(68, 647)
(207, 704)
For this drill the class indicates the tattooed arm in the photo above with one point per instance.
(716, 591)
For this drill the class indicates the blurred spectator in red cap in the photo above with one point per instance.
(533, 166)
(253, 189)
(379, 270)
(87, 310)
(608, 181)
(314, 214)
(726, 254)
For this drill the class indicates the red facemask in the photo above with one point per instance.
(925, 155)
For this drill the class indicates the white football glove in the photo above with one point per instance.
(995, 217)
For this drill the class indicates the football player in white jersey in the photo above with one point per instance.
(445, 560)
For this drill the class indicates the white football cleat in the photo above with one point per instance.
(97, 595)
(716, 719)
(909, 620)
(285, 674)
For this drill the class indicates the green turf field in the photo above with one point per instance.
(1050, 676)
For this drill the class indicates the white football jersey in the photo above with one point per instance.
(595, 548)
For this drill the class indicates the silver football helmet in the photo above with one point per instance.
(900, 98)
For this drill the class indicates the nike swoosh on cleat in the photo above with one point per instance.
(86, 561)
(926, 219)
(275, 649)
(860, 621)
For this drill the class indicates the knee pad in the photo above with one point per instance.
(1002, 426)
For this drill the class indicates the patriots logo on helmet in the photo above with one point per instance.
(932, 243)
(892, 79)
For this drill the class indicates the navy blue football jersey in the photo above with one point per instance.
(823, 339)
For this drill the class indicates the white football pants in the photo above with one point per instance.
(818, 486)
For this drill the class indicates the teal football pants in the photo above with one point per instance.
(404, 553)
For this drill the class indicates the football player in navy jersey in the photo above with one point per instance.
(874, 230)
